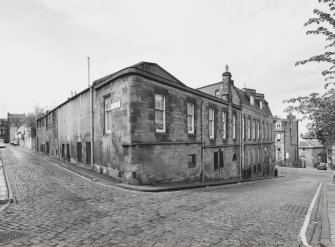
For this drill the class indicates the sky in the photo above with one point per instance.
(44, 45)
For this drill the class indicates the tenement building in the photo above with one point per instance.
(3, 129)
(141, 124)
(286, 141)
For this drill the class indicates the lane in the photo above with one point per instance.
(58, 208)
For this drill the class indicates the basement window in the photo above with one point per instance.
(191, 161)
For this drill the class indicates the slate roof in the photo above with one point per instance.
(310, 143)
(148, 67)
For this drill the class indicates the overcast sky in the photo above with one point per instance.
(44, 45)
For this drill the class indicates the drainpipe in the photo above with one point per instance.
(91, 113)
(241, 144)
(202, 144)
(92, 127)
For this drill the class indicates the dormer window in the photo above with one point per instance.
(217, 93)
(261, 104)
(252, 100)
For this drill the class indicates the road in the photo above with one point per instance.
(57, 208)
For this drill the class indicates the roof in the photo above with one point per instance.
(246, 100)
(148, 67)
(310, 143)
(13, 115)
(148, 70)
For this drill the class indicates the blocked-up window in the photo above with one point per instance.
(108, 114)
(248, 128)
(190, 118)
(159, 113)
(211, 122)
(258, 130)
(224, 125)
(243, 126)
(253, 129)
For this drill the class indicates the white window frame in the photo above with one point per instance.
(190, 116)
(278, 125)
(211, 122)
(160, 108)
(224, 125)
(261, 104)
(107, 110)
(234, 126)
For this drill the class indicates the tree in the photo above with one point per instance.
(320, 108)
(31, 117)
(325, 24)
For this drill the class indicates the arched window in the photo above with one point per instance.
(234, 157)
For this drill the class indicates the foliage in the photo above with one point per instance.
(325, 24)
(320, 109)
(31, 117)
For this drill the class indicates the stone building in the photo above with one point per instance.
(24, 137)
(14, 121)
(287, 141)
(143, 125)
(3, 130)
(311, 151)
(255, 137)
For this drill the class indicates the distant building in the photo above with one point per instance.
(24, 137)
(14, 121)
(311, 151)
(3, 130)
(287, 141)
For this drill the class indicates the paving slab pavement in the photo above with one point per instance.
(331, 210)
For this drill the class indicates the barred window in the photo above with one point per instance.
(159, 113)
(190, 118)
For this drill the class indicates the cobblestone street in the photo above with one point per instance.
(57, 208)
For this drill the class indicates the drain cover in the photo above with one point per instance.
(8, 236)
(297, 209)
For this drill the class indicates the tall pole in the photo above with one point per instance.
(88, 72)
(91, 112)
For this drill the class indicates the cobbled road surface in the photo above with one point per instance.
(57, 208)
